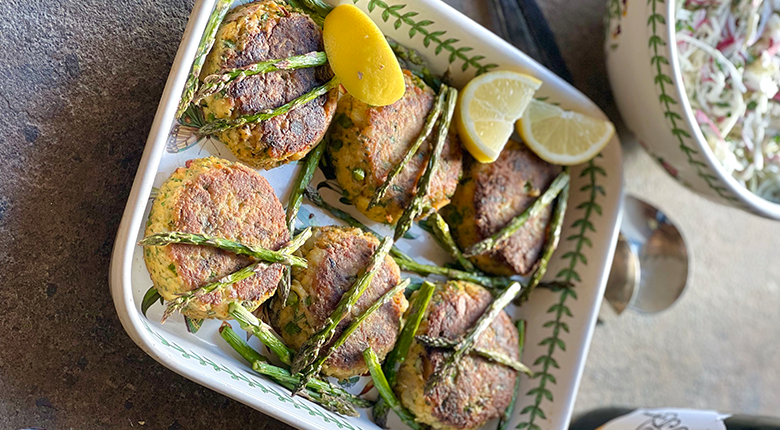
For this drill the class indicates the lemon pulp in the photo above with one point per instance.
(487, 109)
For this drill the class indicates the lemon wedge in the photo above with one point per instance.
(563, 137)
(360, 57)
(487, 109)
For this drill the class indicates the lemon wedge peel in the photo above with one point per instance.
(361, 58)
(563, 137)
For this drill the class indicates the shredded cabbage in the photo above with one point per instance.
(729, 52)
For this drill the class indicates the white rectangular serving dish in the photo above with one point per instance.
(560, 323)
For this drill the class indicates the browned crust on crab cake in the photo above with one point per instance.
(336, 255)
(490, 195)
(482, 389)
(257, 32)
(219, 198)
(375, 139)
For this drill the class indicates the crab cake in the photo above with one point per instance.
(336, 256)
(218, 198)
(482, 389)
(490, 195)
(368, 141)
(257, 32)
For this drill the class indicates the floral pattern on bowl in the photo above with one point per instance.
(644, 74)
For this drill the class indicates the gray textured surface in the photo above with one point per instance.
(80, 85)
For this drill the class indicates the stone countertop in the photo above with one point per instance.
(80, 86)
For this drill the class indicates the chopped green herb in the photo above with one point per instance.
(291, 328)
(344, 121)
(358, 174)
(292, 299)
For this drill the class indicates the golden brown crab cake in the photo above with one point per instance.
(490, 195)
(482, 389)
(260, 31)
(336, 255)
(219, 198)
(368, 141)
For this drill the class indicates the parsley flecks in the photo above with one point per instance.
(343, 120)
(292, 328)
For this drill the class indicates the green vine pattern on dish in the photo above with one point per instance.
(612, 27)
(661, 79)
(559, 311)
(281, 396)
(429, 36)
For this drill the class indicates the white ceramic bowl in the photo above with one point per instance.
(641, 50)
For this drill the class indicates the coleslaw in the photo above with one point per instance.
(729, 52)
